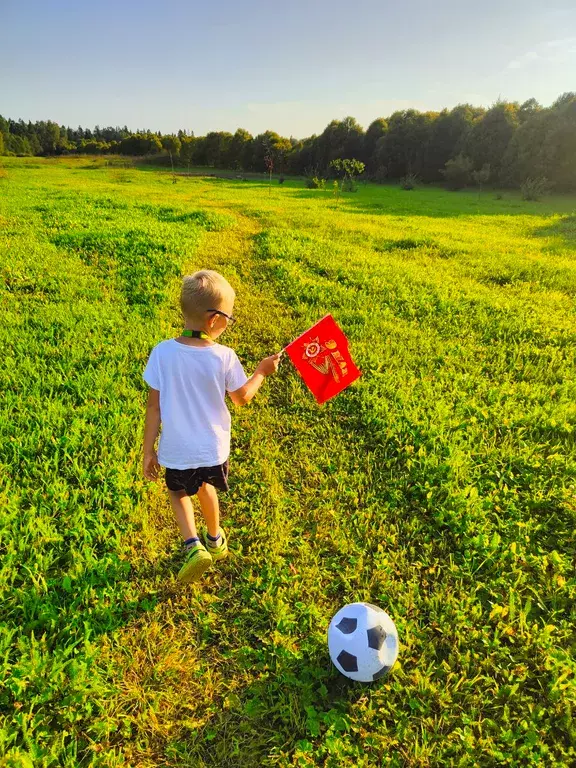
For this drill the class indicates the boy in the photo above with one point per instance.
(188, 378)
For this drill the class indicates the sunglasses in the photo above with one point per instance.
(230, 318)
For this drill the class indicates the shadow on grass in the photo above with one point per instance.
(110, 596)
(434, 202)
(273, 695)
(563, 230)
(293, 700)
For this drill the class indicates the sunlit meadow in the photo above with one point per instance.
(441, 486)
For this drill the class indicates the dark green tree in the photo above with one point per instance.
(544, 147)
(49, 136)
(4, 127)
(404, 148)
(523, 158)
(270, 144)
(340, 139)
(92, 147)
(527, 110)
(239, 154)
(558, 153)
(19, 145)
(187, 149)
(448, 138)
(376, 130)
(491, 135)
(216, 148)
(199, 153)
(140, 144)
(304, 156)
(172, 145)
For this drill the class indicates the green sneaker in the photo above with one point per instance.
(218, 553)
(197, 561)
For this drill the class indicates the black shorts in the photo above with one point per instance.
(190, 480)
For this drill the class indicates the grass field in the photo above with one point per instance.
(441, 486)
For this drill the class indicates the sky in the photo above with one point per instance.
(290, 67)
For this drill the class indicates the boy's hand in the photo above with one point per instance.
(151, 467)
(270, 364)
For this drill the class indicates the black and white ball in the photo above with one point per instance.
(363, 642)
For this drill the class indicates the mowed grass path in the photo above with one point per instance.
(441, 486)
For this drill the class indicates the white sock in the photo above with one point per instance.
(214, 541)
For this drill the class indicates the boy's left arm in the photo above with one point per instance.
(151, 467)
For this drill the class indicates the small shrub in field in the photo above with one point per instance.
(457, 172)
(535, 189)
(409, 182)
(315, 182)
(347, 170)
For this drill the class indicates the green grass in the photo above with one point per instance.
(441, 486)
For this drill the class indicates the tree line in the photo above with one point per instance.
(506, 144)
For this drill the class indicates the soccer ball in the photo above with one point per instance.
(363, 642)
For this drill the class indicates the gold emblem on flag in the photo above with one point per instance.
(326, 359)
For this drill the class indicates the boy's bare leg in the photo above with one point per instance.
(184, 513)
(208, 499)
(198, 559)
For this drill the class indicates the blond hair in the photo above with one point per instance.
(202, 291)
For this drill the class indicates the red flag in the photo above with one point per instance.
(322, 358)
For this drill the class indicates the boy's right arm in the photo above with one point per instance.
(151, 467)
(265, 368)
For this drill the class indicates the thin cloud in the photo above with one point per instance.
(554, 51)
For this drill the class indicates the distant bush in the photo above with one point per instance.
(409, 182)
(457, 172)
(92, 147)
(314, 178)
(346, 170)
(535, 189)
(315, 182)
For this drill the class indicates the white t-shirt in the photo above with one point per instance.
(193, 382)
